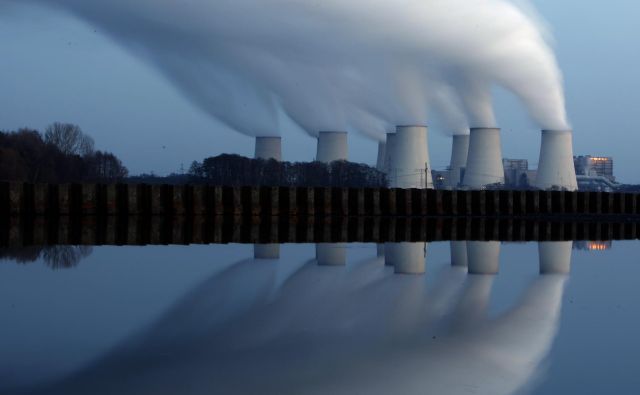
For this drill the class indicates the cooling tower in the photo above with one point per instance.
(459, 152)
(459, 253)
(484, 257)
(556, 169)
(332, 146)
(484, 161)
(555, 257)
(407, 258)
(409, 165)
(382, 156)
(333, 254)
(389, 148)
(269, 148)
(266, 251)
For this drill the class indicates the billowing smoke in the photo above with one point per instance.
(361, 65)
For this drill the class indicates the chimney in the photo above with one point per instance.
(268, 148)
(484, 161)
(266, 251)
(409, 158)
(459, 152)
(555, 257)
(484, 257)
(332, 146)
(555, 167)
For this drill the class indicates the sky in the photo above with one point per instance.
(54, 67)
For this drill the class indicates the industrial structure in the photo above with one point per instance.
(406, 258)
(458, 164)
(555, 257)
(483, 257)
(408, 153)
(484, 161)
(332, 146)
(555, 167)
(268, 148)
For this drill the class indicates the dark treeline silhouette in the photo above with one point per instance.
(55, 257)
(63, 154)
(234, 170)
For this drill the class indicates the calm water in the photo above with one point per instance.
(215, 320)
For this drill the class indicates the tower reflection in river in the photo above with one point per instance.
(359, 329)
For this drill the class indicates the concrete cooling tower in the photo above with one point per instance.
(409, 165)
(556, 169)
(484, 162)
(268, 148)
(459, 153)
(332, 146)
(382, 156)
(388, 149)
(555, 257)
(332, 254)
(484, 257)
(266, 251)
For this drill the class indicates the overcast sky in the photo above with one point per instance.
(56, 68)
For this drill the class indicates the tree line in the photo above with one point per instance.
(62, 154)
(235, 170)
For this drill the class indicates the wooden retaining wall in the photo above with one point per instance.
(171, 200)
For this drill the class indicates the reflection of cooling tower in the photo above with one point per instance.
(555, 257)
(379, 250)
(459, 152)
(332, 146)
(459, 253)
(333, 254)
(556, 168)
(382, 156)
(407, 258)
(266, 251)
(484, 161)
(269, 148)
(409, 159)
(484, 257)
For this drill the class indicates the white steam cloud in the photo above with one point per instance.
(361, 65)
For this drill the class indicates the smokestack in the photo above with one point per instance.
(332, 146)
(406, 258)
(555, 257)
(409, 158)
(484, 257)
(382, 156)
(268, 148)
(459, 153)
(266, 251)
(459, 254)
(555, 167)
(484, 161)
(333, 254)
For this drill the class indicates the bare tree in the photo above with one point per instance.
(69, 139)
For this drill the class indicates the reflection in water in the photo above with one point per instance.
(285, 327)
(593, 245)
(407, 258)
(56, 257)
(331, 254)
(266, 251)
(483, 257)
(459, 254)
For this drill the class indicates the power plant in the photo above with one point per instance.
(381, 161)
(458, 164)
(268, 148)
(556, 169)
(409, 165)
(332, 146)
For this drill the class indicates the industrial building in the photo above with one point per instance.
(595, 173)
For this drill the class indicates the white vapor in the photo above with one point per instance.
(361, 65)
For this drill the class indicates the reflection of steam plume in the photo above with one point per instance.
(360, 329)
(335, 66)
(56, 257)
